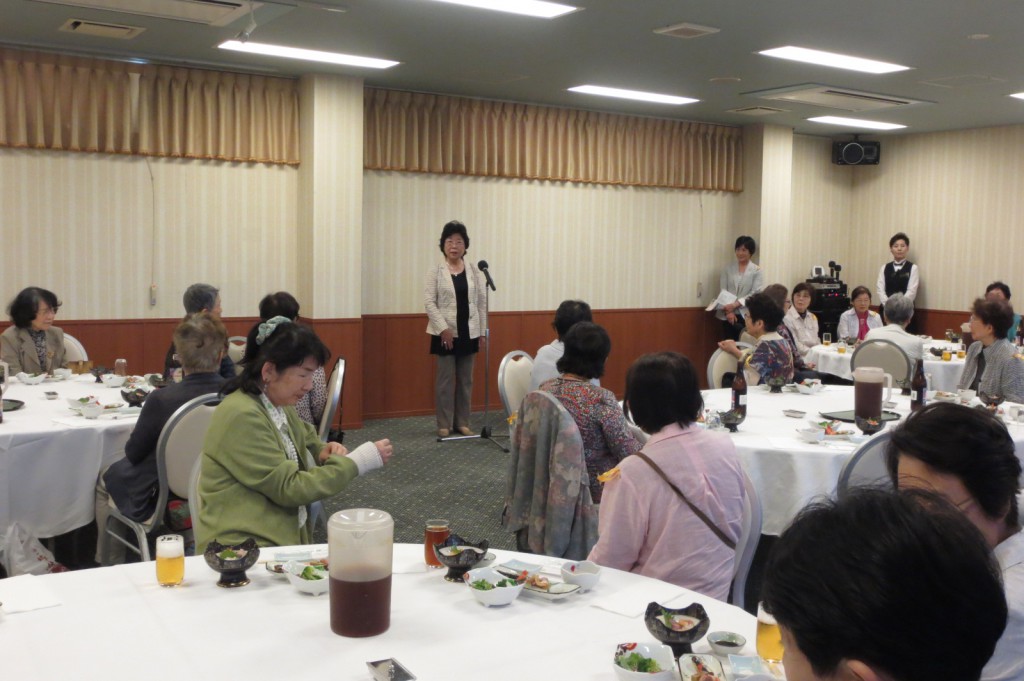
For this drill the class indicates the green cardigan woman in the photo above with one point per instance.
(261, 464)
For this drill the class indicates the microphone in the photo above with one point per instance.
(483, 268)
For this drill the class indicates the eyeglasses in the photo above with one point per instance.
(46, 309)
(454, 242)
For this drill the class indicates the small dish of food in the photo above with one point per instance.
(943, 396)
(307, 577)
(644, 660)
(543, 588)
(794, 413)
(76, 403)
(113, 380)
(677, 627)
(232, 561)
(493, 589)
(585, 573)
(725, 643)
(91, 410)
(31, 379)
(810, 386)
(51, 394)
(701, 668)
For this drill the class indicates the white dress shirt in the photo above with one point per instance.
(911, 344)
(849, 325)
(804, 330)
(912, 285)
(1007, 662)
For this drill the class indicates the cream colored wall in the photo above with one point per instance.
(616, 247)
(958, 195)
(84, 226)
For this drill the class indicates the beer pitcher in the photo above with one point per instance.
(867, 398)
(360, 545)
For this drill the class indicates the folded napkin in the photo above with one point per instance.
(631, 601)
(24, 593)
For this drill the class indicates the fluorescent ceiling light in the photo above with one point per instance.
(856, 123)
(308, 55)
(1018, 95)
(532, 8)
(839, 61)
(631, 94)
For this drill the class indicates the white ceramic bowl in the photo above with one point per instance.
(720, 643)
(811, 435)
(113, 380)
(585, 573)
(293, 569)
(92, 410)
(502, 595)
(31, 380)
(809, 388)
(75, 404)
(62, 374)
(656, 651)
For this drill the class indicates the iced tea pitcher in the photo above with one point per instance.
(360, 544)
(867, 397)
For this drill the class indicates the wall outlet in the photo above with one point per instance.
(152, 295)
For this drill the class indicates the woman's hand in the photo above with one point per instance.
(385, 449)
(332, 449)
(447, 339)
(731, 317)
(730, 347)
(483, 342)
(810, 365)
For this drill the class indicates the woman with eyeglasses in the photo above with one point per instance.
(33, 345)
(456, 302)
(992, 366)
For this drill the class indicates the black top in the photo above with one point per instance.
(463, 345)
(897, 282)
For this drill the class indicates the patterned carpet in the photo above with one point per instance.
(462, 480)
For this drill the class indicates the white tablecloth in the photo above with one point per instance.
(787, 471)
(50, 457)
(945, 375)
(116, 623)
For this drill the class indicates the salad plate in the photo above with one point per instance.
(555, 592)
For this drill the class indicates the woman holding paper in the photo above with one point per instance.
(739, 280)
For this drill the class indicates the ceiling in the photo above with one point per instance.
(961, 82)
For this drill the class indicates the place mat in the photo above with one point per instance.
(25, 593)
(847, 416)
(632, 601)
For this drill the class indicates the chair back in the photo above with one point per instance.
(74, 351)
(181, 444)
(746, 545)
(514, 379)
(195, 502)
(866, 467)
(236, 351)
(547, 492)
(335, 386)
(721, 363)
(879, 352)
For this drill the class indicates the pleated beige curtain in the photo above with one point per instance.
(419, 132)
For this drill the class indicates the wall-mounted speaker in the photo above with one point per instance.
(856, 153)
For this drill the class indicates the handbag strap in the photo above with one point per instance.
(699, 513)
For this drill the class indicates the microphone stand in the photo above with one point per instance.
(485, 432)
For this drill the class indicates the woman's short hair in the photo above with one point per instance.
(898, 236)
(288, 345)
(746, 242)
(761, 307)
(899, 309)
(778, 293)
(804, 287)
(569, 313)
(280, 304)
(969, 444)
(451, 229)
(874, 576)
(858, 292)
(1000, 286)
(25, 306)
(587, 346)
(997, 313)
(199, 297)
(199, 341)
(661, 389)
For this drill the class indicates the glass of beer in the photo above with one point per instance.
(436, 532)
(961, 352)
(769, 638)
(841, 348)
(170, 559)
(826, 339)
(946, 355)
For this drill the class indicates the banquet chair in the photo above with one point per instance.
(195, 502)
(547, 489)
(514, 380)
(236, 351)
(721, 363)
(746, 545)
(177, 450)
(879, 352)
(74, 351)
(335, 385)
(866, 467)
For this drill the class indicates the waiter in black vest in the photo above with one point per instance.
(898, 276)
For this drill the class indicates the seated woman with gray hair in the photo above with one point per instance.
(198, 298)
(899, 310)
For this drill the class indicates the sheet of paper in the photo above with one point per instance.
(723, 299)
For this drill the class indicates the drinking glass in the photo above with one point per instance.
(841, 348)
(961, 351)
(170, 559)
(769, 638)
(946, 355)
(826, 339)
(437, 530)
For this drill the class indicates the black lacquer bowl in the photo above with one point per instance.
(232, 569)
(459, 556)
(134, 397)
(677, 628)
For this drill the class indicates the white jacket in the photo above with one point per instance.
(439, 301)
(805, 330)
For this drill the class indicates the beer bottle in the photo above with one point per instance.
(739, 390)
(918, 387)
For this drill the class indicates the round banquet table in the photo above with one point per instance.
(50, 456)
(117, 623)
(787, 471)
(944, 375)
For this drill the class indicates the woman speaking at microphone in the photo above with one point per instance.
(456, 302)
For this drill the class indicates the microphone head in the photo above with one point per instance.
(482, 264)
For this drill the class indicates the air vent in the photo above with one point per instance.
(101, 30)
(757, 111)
(954, 82)
(207, 12)
(836, 98)
(686, 30)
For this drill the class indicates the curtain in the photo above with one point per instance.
(419, 132)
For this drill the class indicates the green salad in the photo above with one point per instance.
(313, 572)
(484, 585)
(635, 662)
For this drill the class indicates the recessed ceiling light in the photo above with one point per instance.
(532, 8)
(979, 36)
(856, 123)
(839, 61)
(631, 94)
(1018, 95)
(308, 55)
